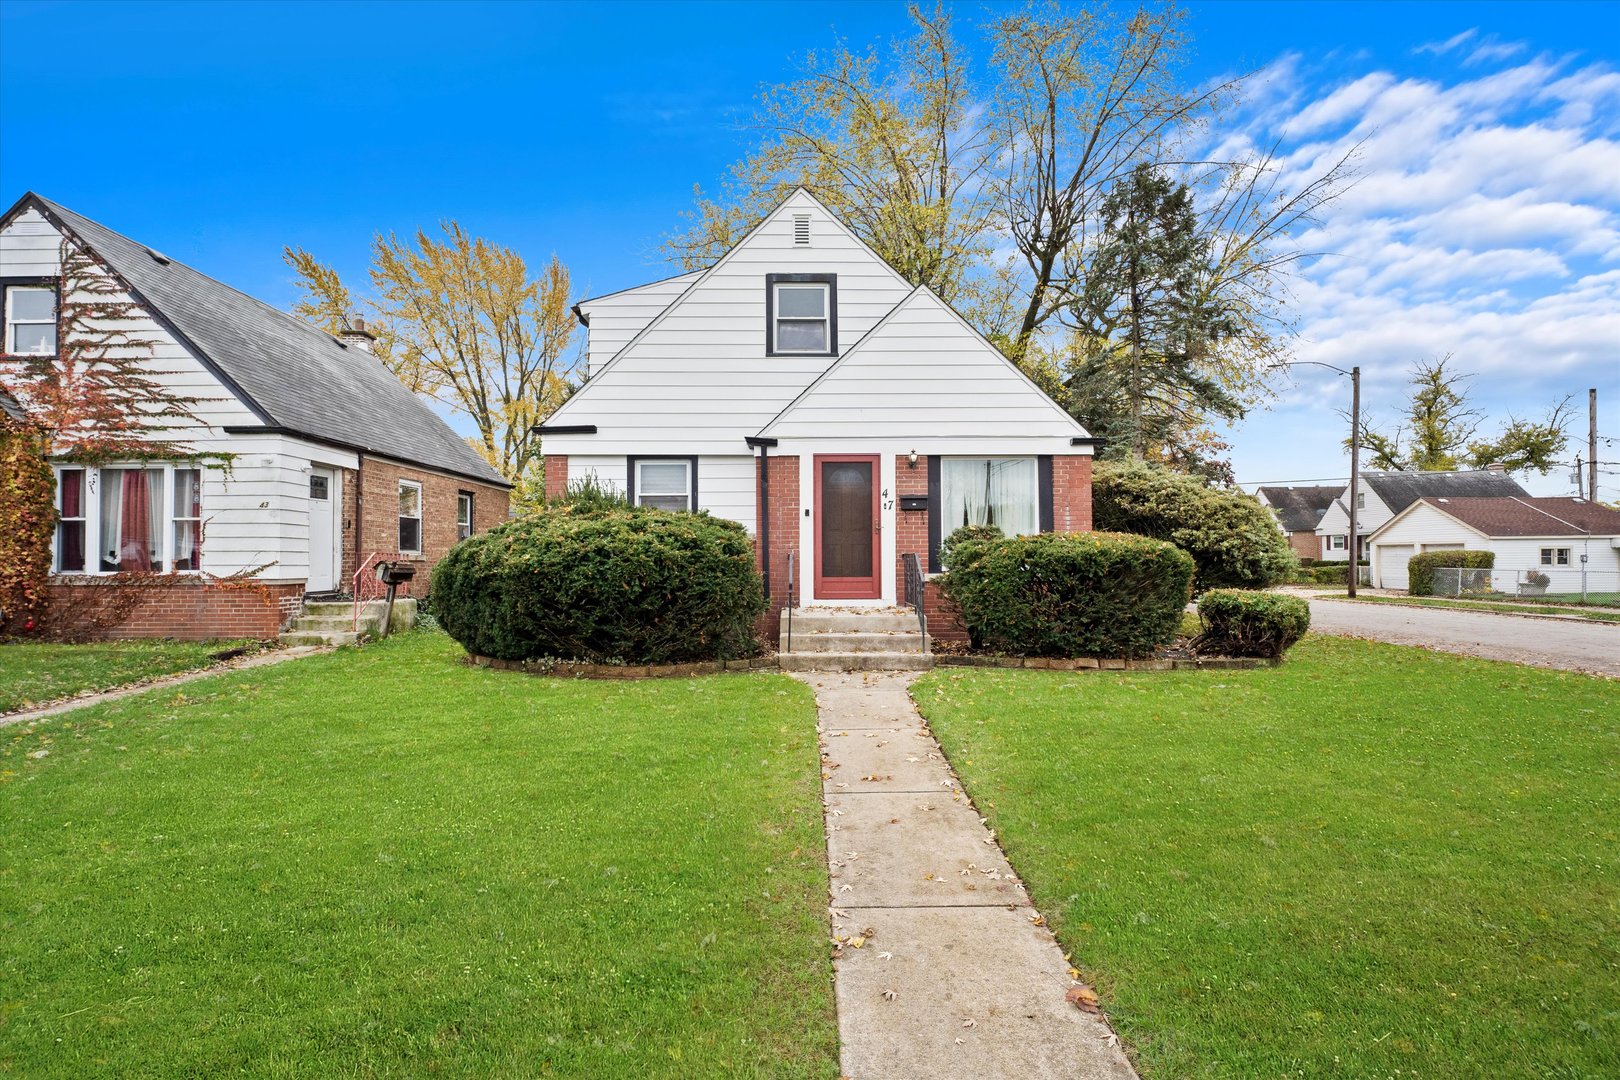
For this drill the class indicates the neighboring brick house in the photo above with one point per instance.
(1298, 510)
(802, 387)
(326, 460)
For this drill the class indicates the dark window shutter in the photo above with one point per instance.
(934, 536)
(1043, 468)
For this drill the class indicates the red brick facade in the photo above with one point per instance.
(782, 519)
(556, 472)
(179, 606)
(378, 515)
(1306, 545)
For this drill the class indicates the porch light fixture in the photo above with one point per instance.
(911, 460)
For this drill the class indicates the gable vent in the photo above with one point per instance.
(801, 230)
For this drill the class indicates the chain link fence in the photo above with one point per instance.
(1551, 584)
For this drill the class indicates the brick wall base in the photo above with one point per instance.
(186, 609)
(782, 518)
(1306, 545)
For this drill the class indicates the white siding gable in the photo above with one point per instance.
(1424, 523)
(923, 373)
(613, 320)
(696, 379)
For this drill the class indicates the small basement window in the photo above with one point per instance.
(30, 313)
(410, 517)
(666, 484)
(802, 313)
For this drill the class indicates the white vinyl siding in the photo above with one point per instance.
(698, 379)
(618, 317)
(925, 373)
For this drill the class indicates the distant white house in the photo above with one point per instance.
(1559, 538)
(1382, 495)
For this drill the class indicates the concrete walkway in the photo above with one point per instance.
(263, 659)
(947, 971)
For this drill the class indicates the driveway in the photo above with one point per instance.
(1553, 643)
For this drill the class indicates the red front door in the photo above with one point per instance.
(847, 548)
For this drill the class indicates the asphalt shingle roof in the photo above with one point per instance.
(298, 377)
(1530, 516)
(1299, 509)
(1398, 490)
(11, 407)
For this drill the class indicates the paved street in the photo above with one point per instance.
(1570, 644)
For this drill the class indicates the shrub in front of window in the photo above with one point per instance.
(27, 520)
(1071, 594)
(1232, 538)
(625, 584)
(1238, 622)
(1420, 568)
(956, 549)
(587, 494)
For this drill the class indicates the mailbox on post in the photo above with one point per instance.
(393, 574)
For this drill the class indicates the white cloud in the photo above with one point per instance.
(1485, 223)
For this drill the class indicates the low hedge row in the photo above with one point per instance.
(622, 584)
(1420, 569)
(1112, 595)
(1237, 622)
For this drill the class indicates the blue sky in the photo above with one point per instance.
(1487, 221)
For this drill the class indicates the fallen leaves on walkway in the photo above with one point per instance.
(1083, 998)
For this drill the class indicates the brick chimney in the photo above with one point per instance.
(356, 334)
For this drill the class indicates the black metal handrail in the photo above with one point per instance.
(915, 588)
(791, 578)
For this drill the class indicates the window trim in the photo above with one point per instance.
(90, 505)
(461, 495)
(402, 484)
(1338, 542)
(771, 282)
(1556, 556)
(9, 283)
(632, 469)
(83, 519)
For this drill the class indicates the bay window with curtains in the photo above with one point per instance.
(1004, 492)
(141, 518)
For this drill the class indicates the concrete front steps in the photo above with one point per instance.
(853, 639)
(331, 622)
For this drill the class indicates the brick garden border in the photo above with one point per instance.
(1046, 663)
(560, 669)
(564, 669)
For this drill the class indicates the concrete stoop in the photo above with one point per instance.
(844, 639)
(332, 622)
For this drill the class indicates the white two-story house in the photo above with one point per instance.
(804, 388)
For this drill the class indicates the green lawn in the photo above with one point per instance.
(36, 672)
(1510, 607)
(1373, 861)
(383, 862)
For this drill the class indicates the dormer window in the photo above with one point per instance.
(801, 313)
(30, 320)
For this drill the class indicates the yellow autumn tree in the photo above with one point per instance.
(462, 320)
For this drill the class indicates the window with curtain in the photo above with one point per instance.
(664, 484)
(410, 516)
(187, 519)
(132, 520)
(1004, 492)
(70, 511)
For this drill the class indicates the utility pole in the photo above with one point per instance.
(1591, 444)
(1355, 476)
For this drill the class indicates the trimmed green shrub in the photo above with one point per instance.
(1238, 622)
(1071, 594)
(1233, 539)
(632, 585)
(967, 534)
(1331, 573)
(1420, 569)
(587, 493)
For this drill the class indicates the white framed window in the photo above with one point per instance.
(1554, 556)
(802, 312)
(464, 515)
(410, 517)
(141, 517)
(70, 523)
(30, 316)
(665, 483)
(1336, 543)
(1361, 500)
(1004, 492)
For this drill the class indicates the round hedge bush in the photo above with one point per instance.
(1071, 594)
(632, 585)
(1237, 622)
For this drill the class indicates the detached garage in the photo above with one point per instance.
(1559, 538)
